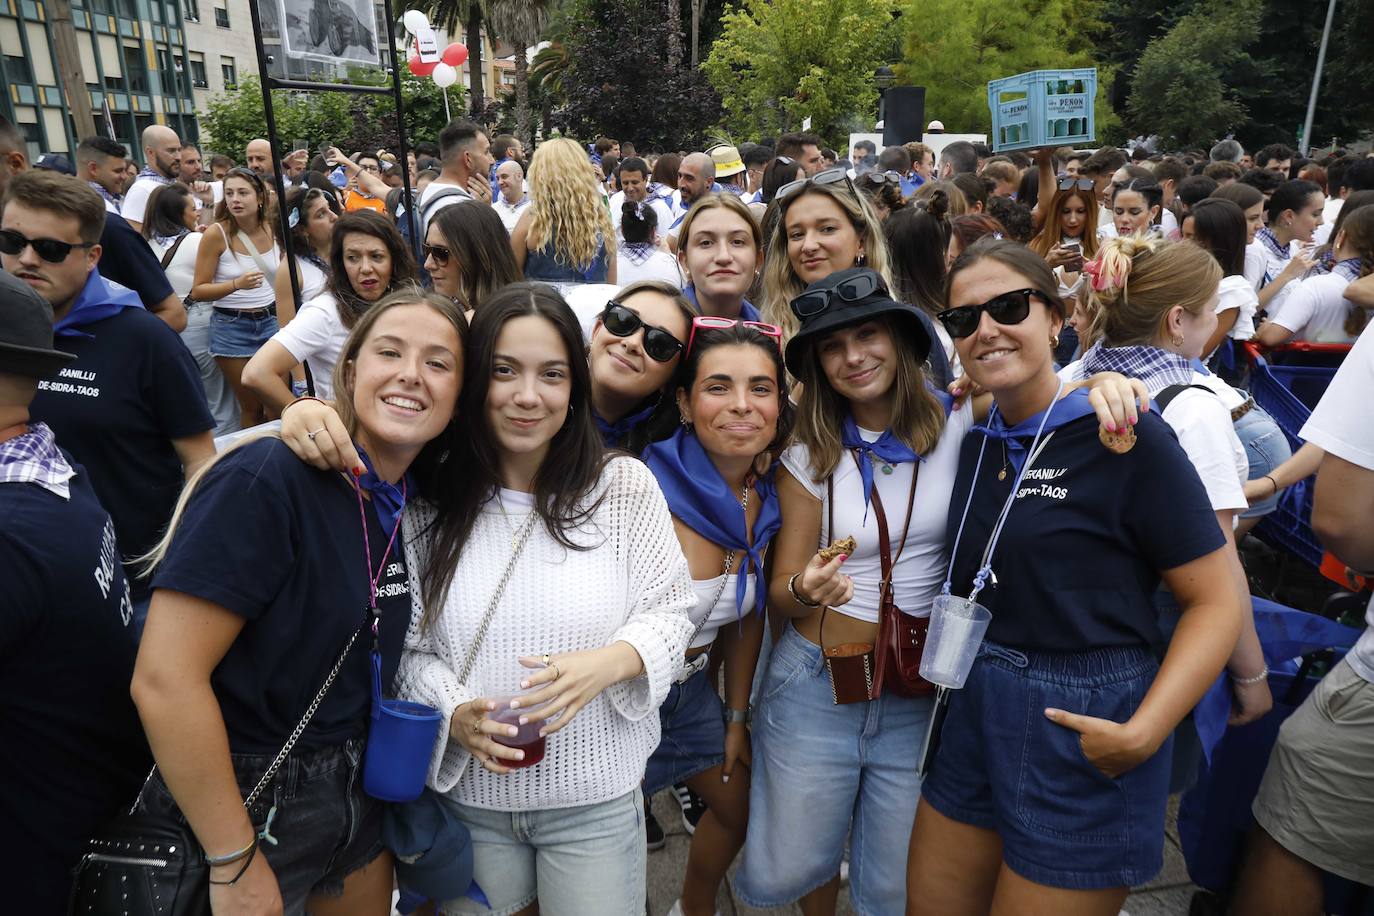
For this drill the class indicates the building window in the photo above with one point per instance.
(226, 66)
(221, 17)
(135, 72)
(33, 139)
(198, 74)
(127, 8)
(192, 8)
(18, 69)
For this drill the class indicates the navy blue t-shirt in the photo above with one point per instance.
(133, 389)
(1086, 539)
(270, 538)
(127, 260)
(72, 752)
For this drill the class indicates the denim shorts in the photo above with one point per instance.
(693, 733)
(1266, 447)
(588, 860)
(822, 773)
(1003, 766)
(239, 337)
(326, 828)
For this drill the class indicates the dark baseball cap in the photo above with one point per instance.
(55, 162)
(26, 332)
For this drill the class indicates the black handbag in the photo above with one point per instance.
(151, 864)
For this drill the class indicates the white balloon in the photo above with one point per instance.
(444, 75)
(415, 21)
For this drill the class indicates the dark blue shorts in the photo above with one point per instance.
(1003, 766)
(326, 827)
(693, 734)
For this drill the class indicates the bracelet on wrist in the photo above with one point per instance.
(1270, 478)
(247, 861)
(796, 596)
(744, 716)
(231, 858)
(297, 400)
(1262, 676)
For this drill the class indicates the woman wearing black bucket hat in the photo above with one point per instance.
(872, 435)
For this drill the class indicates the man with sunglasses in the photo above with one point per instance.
(131, 407)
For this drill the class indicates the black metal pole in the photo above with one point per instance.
(411, 205)
(282, 218)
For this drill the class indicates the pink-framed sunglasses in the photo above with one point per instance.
(715, 323)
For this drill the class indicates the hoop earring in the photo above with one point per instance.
(859, 260)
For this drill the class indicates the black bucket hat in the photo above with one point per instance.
(26, 331)
(845, 298)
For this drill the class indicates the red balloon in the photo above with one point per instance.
(455, 54)
(420, 68)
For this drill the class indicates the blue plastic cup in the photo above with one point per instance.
(399, 748)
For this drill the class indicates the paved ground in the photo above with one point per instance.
(1167, 895)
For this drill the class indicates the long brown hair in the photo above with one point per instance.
(369, 223)
(266, 207)
(1358, 227)
(1052, 231)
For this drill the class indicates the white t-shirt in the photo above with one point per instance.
(922, 566)
(316, 334)
(432, 190)
(1235, 292)
(1343, 425)
(313, 280)
(661, 209)
(1329, 214)
(725, 611)
(509, 212)
(1254, 264)
(1203, 425)
(659, 265)
(1315, 309)
(181, 270)
(135, 204)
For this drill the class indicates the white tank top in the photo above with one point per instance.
(723, 611)
(233, 265)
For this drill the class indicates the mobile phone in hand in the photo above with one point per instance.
(1076, 263)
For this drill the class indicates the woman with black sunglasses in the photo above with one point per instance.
(468, 256)
(717, 472)
(1049, 782)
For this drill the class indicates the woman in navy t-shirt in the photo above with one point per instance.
(1048, 788)
(265, 576)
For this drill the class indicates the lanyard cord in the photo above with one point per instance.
(985, 569)
(367, 550)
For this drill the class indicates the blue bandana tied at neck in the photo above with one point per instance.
(614, 433)
(747, 310)
(888, 448)
(388, 499)
(154, 174)
(701, 499)
(1073, 406)
(99, 299)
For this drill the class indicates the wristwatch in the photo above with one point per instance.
(739, 715)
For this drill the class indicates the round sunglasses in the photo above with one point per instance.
(53, 251)
(1007, 308)
(622, 321)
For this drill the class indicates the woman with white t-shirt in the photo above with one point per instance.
(1295, 212)
(1317, 309)
(1218, 227)
(169, 225)
(1156, 310)
(1251, 202)
(311, 213)
(638, 255)
(368, 258)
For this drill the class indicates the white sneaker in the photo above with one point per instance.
(844, 870)
(677, 909)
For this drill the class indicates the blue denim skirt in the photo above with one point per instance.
(693, 733)
(1266, 447)
(1003, 766)
(239, 336)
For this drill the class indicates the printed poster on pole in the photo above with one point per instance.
(344, 31)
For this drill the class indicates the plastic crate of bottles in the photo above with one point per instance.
(1043, 108)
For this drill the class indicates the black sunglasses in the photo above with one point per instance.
(1007, 308)
(857, 287)
(829, 176)
(891, 176)
(439, 253)
(622, 321)
(50, 250)
(1082, 184)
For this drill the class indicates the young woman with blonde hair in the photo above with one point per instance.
(566, 235)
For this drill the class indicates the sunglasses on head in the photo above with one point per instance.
(622, 321)
(714, 323)
(891, 176)
(829, 176)
(1082, 184)
(1006, 308)
(439, 253)
(857, 287)
(50, 250)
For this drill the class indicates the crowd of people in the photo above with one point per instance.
(660, 460)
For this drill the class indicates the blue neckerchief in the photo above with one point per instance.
(888, 447)
(1348, 268)
(1072, 406)
(116, 199)
(1271, 242)
(99, 299)
(154, 174)
(612, 433)
(700, 498)
(388, 499)
(1156, 367)
(747, 311)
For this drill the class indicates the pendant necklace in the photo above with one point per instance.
(1002, 474)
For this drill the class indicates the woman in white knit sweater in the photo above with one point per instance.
(595, 610)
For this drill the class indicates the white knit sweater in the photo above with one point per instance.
(632, 586)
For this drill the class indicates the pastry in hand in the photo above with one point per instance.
(845, 545)
(1117, 442)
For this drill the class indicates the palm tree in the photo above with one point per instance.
(520, 22)
(546, 72)
(469, 14)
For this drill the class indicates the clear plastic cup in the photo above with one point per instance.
(527, 737)
(957, 626)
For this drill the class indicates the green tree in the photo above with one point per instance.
(780, 61)
(954, 48)
(1179, 89)
(471, 15)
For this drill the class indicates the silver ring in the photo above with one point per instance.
(311, 436)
